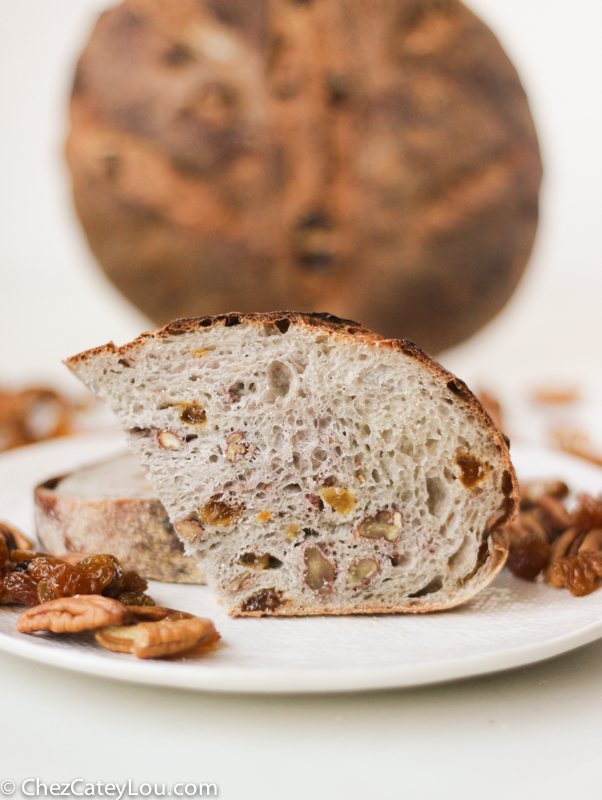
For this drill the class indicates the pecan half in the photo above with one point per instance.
(385, 524)
(73, 614)
(531, 491)
(166, 637)
(319, 571)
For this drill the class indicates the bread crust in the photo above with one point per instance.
(493, 539)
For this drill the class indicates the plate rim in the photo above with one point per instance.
(282, 680)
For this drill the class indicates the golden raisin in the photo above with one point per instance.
(43, 566)
(579, 573)
(22, 588)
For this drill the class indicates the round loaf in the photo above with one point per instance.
(377, 159)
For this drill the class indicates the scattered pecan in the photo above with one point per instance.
(576, 442)
(555, 511)
(556, 395)
(73, 614)
(32, 415)
(546, 538)
(166, 637)
(532, 490)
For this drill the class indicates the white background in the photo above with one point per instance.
(531, 733)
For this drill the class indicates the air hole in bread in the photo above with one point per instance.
(279, 377)
(283, 325)
(436, 495)
(431, 587)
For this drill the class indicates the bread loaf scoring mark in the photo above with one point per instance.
(319, 571)
(472, 471)
(385, 524)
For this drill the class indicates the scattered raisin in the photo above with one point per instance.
(132, 582)
(579, 573)
(42, 567)
(528, 557)
(22, 588)
(135, 599)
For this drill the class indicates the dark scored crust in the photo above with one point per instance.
(494, 543)
(378, 159)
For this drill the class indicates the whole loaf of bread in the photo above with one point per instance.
(374, 158)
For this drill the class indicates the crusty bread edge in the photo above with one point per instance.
(494, 542)
(63, 522)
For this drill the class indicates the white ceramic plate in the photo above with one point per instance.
(509, 624)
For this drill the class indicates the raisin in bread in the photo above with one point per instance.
(110, 507)
(310, 465)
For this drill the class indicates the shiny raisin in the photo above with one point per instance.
(22, 588)
(103, 571)
(67, 581)
(42, 566)
(132, 582)
(135, 599)
(528, 557)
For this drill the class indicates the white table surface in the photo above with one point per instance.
(533, 732)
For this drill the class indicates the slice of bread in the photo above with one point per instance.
(312, 466)
(110, 507)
